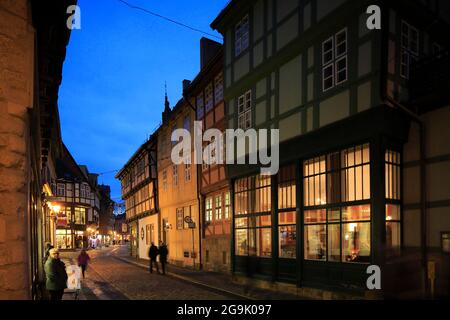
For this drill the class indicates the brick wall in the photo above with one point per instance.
(16, 87)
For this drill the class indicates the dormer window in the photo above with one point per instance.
(241, 40)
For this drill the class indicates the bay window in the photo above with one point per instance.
(337, 212)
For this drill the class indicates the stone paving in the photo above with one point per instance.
(108, 278)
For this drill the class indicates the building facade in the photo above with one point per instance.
(335, 90)
(177, 187)
(29, 138)
(106, 216)
(76, 196)
(207, 90)
(140, 192)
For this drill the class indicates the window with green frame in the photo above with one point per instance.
(253, 234)
(337, 212)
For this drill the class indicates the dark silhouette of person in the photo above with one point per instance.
(83, 260)
(153, 254)
(163, 253)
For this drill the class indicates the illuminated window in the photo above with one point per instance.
(253, 234)
(336, 228)
(393, 209)
(218, 208)
(80, 216)
(208, 210)
(227, 206)
(287, 230)
(241, 36)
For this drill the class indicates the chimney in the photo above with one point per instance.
(208, 49)
(186, 84)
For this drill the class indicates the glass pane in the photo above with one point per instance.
(334, 215)
(366, 153)
(392, 212)
(241, 242)
(287, 243)
(241, 223)
(334, 242)
(264, 242)
(356, 213)
(287, 217)
(356, 242)
(264, 221)
(315, 242)
(315, 216)
(393, 238)
(252, 242)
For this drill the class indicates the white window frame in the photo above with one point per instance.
(242, 35)
(218, 212)
(187, 169)
(245, 110)
(209, 209)
(175, 175)
(335, 60)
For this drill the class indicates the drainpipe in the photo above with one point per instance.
(199, 196)
(423, 195)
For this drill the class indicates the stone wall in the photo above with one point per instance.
(16, 92)
(216, 246)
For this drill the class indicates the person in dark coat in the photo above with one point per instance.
(83, 260)
(163, 253)
(55, 271)
(153, 254)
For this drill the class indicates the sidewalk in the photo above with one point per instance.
(217, 282)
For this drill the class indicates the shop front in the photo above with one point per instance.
(333, 209)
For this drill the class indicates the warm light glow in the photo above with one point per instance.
(388, 218)
(56, 209)
(353, 226)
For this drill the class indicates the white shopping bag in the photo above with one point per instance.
(73, 277)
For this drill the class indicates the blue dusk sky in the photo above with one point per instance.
(112, 92)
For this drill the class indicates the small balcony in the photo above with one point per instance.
(430, 83)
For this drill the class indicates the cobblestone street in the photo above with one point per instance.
(109, 278)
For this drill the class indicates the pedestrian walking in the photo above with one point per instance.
(163, 253)
(153, 254)
(55, 271)
(83, 260)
